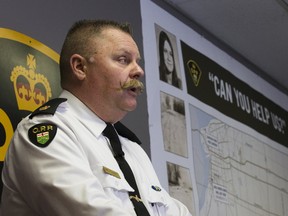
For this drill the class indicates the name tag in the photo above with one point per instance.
(111, 172)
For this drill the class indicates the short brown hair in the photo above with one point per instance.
(78, 37)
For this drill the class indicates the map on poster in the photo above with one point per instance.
(235, 173)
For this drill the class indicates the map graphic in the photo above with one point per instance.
(236, 174)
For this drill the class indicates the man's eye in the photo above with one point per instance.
(123, 60)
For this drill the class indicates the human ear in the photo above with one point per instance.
(78, 66)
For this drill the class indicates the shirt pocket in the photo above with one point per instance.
(114, 184)
(158, 200)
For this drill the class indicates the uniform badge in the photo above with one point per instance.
(156, 188)
(111, 172)
(42, 134)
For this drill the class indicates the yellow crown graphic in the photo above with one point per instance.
(31, 89)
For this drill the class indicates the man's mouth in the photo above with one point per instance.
(135, 86)
(133, 89)
(138, 90)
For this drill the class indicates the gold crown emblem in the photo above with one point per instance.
(31, 89)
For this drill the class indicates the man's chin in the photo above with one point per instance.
(131, 107)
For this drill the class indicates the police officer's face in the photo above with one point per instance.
(114, 63)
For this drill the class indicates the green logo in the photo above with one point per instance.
(42, 138)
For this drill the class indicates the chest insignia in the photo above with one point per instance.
(156, 188)
(111, 172)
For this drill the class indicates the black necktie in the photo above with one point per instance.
(111, 134)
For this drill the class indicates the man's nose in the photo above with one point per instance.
(137, 71)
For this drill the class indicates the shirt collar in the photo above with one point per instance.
(88, 118)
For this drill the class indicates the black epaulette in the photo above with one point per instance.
(125, 132)
(48, 108)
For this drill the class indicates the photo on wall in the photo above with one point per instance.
(168, 60)
(180, 185)
(173, 124)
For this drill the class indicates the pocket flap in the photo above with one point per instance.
(111, 178)
(156, 194)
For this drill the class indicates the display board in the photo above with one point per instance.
(218, 132)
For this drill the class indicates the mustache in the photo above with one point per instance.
(134, 84)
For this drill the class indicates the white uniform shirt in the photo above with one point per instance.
(76, 174)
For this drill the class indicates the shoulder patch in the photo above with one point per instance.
(48, 108)
(41, 135)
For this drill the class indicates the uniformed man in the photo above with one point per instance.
(62, 160)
